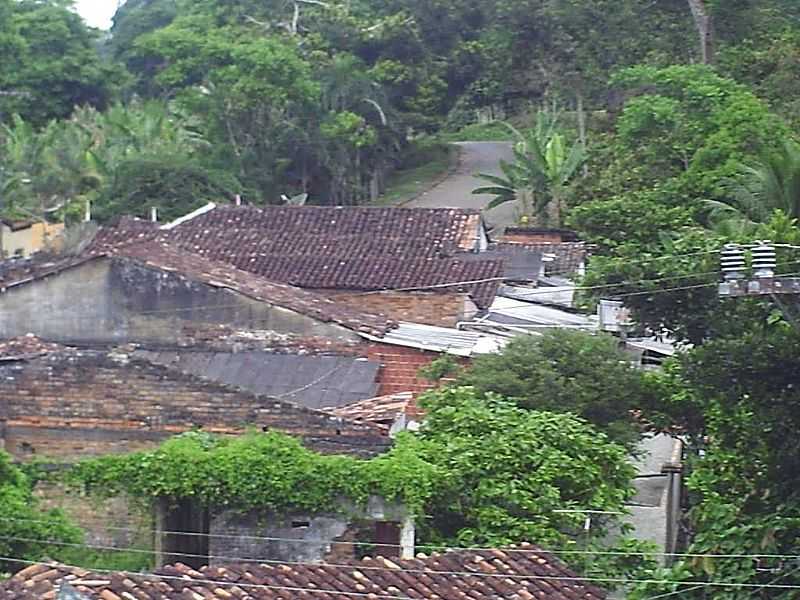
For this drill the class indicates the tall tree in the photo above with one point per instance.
(56, 64)
(704, 22)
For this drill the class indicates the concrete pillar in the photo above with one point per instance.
(407, 538)
(160, 518)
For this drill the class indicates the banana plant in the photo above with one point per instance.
(540, 173)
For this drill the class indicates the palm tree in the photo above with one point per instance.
(771, 184)
(540, 174)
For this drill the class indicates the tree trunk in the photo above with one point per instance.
(705, 29)
(581, 125)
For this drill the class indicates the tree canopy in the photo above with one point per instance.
(26, 531)
(567, 371)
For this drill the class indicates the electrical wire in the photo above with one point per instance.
(364, 566)
(675, 593)
(629, 261)
(574, 579)
(539, 291)
(188, 582)
(778, 578)
(535, 292)
(434, 547)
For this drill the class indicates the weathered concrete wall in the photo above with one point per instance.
(74, 304)
(244, 533)
(308, 537)
(116, 300)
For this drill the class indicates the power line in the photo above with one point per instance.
(217, 582)
(540, 291)
(233, 559)
(675, 593)
(432, 547)
(629, 261)
(574, 579)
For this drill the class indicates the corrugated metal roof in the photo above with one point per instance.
(665, 348)
(313, 381)
(507, 311)
(442, 339)
(560, 295)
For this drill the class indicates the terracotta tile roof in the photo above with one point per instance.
(352, 248)
(524, 573)
(25, 347)
(383, 409)
(567, 256)
(451, 229)
(121, 232)
(169, 258)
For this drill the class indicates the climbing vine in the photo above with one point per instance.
(265, 471)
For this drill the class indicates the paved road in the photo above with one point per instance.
(456, 190)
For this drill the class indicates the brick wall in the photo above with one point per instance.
(83, 403)
(399, 368)
(70, 405)
(443, 310)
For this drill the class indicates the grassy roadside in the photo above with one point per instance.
(425, 164)
(490, 132)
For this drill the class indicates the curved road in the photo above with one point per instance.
(456, 190)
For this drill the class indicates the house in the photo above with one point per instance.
(22, 238)
(520, 572)
(418, 265)
(131, 287)
(159, 297)
(60, 404)
(147, 291)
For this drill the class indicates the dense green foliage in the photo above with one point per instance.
(50, 63)
(567, 371)
(192, 100)
(26, 532)
(737, 398)
(320, 97)
(266, 471)
(507, 469)
(114, 160)
(481, 471)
